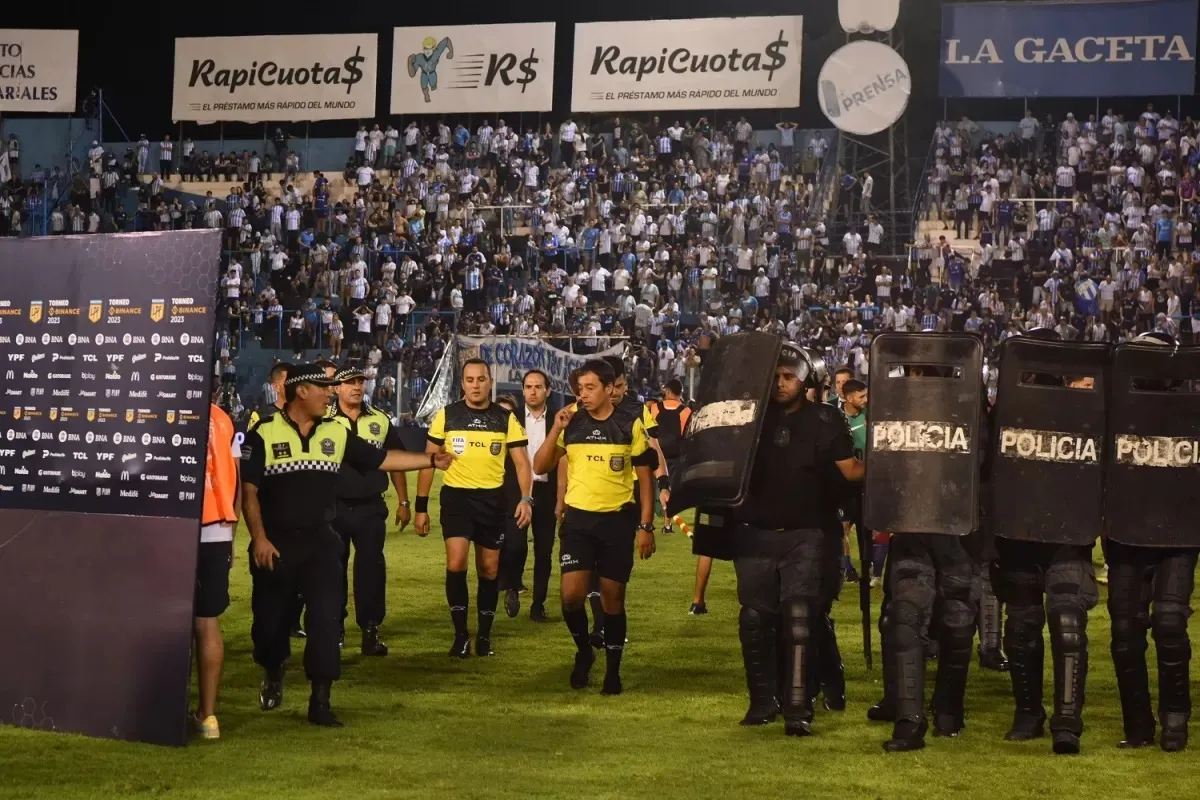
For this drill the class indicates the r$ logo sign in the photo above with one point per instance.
(501, 66)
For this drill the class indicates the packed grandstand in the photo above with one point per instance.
(661, 232)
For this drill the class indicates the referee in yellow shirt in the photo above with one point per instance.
(605, 449)
(481, 434)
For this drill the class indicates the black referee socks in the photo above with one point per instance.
(614, 641)
(458, 598)
(577, 624)
(489, 593)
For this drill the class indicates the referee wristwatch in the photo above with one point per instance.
(404, 504)
(648, 527)
(527, 500)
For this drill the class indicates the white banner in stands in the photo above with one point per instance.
(510, 357)
(38, 70)
(475, 69)
(685, 64)
(864, 87)
(275, 78)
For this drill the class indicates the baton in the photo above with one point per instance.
(864, 584)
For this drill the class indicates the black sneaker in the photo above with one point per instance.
(483, 647)
(512, 603)
(697, 609)
(371, 643)
(667, 529)
(538, 614)
(612, 683)
(583, 669)
(461, 647)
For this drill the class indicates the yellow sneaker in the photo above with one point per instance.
(207, 727)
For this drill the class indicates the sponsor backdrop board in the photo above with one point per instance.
(864, 87)
(269, 78)
(1068, 49)
(106, 349)
(38, 70)
(683, 64)
(474, 69)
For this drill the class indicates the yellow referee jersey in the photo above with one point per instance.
(601, 455)
(480, 438)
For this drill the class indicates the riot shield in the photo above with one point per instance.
(1154, 461)
(924, 439)
(1047, 447)
(716, 454)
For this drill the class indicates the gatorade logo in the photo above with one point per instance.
(1053, 446)
(1169, 452)
(919, 436)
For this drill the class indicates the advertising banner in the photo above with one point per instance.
(475, 69)
(510, 357)
(275, 78)
(684, 64)
(1068, 49)
(38, 70)
(106, 353)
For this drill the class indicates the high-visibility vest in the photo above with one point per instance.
(220, 470)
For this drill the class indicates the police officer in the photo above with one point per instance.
(1040, 581)
(361, 510)
(473, 509)
(275, 378)
(290, 466)
(604, 448)
(1151, 587)
(788, 531)
(927, 570)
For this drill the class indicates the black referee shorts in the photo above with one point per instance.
(599, 542)
(477, 515)
(212, 579)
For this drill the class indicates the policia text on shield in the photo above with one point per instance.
(290, 466)
(481, 434)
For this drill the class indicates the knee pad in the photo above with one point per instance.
(1068, 626)
(1026, 620)
(753, 619)
(798, 620)
(1169, 620)
(1127, 628)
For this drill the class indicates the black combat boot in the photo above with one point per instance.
(799, 616)
(371, 644)
(757, 633)
(950, 686)
(1025, 661)
(1133, 684)
(911, 725)
(832, 674)
(1068, 642)
(319, 712)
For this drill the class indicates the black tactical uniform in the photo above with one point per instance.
(785, 532)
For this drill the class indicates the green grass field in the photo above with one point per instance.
(421, 725)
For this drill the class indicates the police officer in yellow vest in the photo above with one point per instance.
(361, 510)
(290, 466)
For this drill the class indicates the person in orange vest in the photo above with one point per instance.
(221, 501)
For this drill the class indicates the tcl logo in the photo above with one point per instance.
(187, 460)
(196, 359)
(89, 357)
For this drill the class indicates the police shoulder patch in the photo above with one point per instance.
(374, 428)
(828, 413)
(327, 447)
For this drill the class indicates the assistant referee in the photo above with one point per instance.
(290, 466)
(362, 511)
(481, 434)
(604, 450)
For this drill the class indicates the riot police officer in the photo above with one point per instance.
(1151, 562)
(788, 532)
(1049, 419)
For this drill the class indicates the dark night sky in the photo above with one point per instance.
(127, 50)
